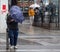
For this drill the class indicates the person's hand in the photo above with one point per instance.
(12, 20)
(23, 22)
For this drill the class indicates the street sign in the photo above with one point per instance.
(4, 8)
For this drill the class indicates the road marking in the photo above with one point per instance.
(33, 38)
(37, 36)
(48, 44)
(35, 50)
(43, 38)
(2, 40)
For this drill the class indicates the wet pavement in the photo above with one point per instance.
(34, 39)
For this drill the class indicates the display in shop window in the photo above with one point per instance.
(24, 4)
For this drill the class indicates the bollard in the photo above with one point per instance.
(7, 39)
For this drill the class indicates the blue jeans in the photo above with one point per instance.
(13, 35)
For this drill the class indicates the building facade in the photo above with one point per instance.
(3, 12)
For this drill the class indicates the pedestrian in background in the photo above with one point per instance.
(31, 15)
(42, 14)
(36, 16)
(51, 8)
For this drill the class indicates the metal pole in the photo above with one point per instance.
(7, 41)
(58, 14)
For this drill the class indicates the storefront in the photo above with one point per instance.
(24, 4)
(56, 19)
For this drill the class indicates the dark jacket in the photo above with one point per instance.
(37, 15)
(11, 24)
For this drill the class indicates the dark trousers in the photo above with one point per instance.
(42, 18)
(13, 35)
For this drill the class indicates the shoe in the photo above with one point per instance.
(15, 47)
(11, 47)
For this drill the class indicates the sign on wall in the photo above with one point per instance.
(3, 13)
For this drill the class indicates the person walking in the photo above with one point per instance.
(36, 16)
(31, 15)
(12, 24)
(13, 31)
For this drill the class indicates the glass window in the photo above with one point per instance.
(26, 8)
(25, 0)
(20, 0)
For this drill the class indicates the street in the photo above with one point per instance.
(34, 39)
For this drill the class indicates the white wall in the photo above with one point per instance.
(35, 1)
(3, 16)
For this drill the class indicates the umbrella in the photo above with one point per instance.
(34, 5)
(17, 14)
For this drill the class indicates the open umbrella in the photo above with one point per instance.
(34, 5)
(17, 14)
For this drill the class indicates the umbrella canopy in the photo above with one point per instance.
(34, 5)
(17, 14)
